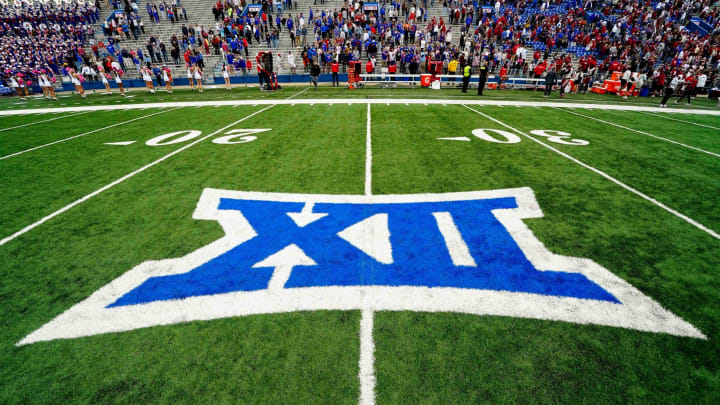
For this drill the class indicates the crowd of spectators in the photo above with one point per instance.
(45, 37)
(523, 37)
(581, 40)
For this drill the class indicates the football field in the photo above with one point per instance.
(373, 247)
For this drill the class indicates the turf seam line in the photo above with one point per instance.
(640, 132)
(83, 134)
(39, 122)
(675, 119)
(608, 177)
(122, 179)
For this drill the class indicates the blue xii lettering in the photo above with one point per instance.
(466, 252)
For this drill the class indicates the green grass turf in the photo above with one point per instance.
(312, 357)
(692, 135)
(431, 358)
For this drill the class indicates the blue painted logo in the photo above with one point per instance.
(372, 244)
(465, 252)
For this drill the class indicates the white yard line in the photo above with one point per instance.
(367, 344)
(296, 94)
(39, 122)
(350, 101)
(675, 119)
(122, 179)
(607, 176)
(83, 134)
(641, 132)
(367, 358)
(368, 156)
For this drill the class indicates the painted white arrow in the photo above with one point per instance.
(283, 261)
(372, 236)
(306, 216)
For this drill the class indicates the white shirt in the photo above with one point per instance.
(701, 80)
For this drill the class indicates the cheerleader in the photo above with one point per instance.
(46, 86)
(147, 78)
(14, 85)
(198, 78)
(75, 78)
(190, 77)
(167, 78)
(226, 76)
(22, 86)
(104, 77)
(118, 80)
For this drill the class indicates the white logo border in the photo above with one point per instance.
(91, 317)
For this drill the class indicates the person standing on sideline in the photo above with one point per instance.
(550, 80)
(335, 67)
(466, 77)
(314, 73)
(226, 76)
(482, 78)
(689, 91)
(670, 90)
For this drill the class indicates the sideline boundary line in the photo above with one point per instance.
(40, 122)
(675, 119)
(421, 101)
(640, 132)
(122, 179)
(86, 133)
(607, 176)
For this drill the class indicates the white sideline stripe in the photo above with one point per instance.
(39, 122)
(418, 101)
(367, 359)
(366, 366)
(458, 249)
(642, 132)
(83, 134)
(675, 119)
(121, 179)
(607, 176)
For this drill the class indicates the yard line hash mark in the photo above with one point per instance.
(40, 122)
(122, 179)
(83, 134)
(675, 119)
(641, 132)
(608, 177)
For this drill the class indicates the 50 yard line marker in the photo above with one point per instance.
(122, 179)
(607, 176)
(367, 345)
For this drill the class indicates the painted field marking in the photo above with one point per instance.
(366, 365)
(675, 119)
(457, 138)
(641, 132)
(123, 143)
(420, 101)
(83, 134)
(607, 176)
(39, 122)
(122, 179)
